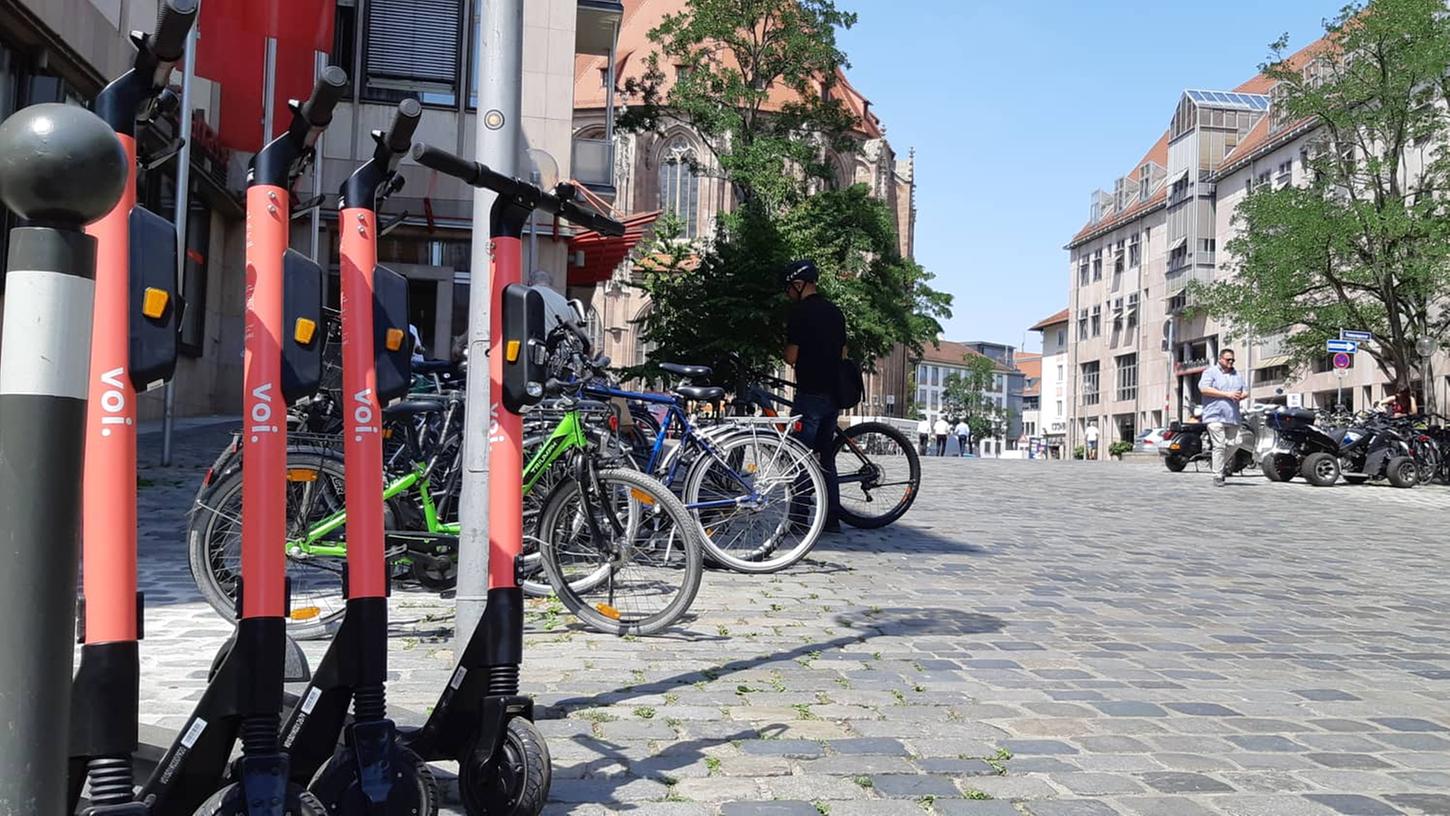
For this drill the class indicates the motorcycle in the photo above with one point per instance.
(1293, 437)
(1373, 448)
(1190, 443)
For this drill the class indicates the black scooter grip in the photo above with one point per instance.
(447, 163)
(405, 120)
(325, 96)
(589, 219)
(173, 21)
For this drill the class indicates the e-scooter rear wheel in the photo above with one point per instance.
(229, 802)
(517, 784)
(414, 791)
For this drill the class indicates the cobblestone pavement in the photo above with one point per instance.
(1043, 638)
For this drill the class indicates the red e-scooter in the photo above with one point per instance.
(480, 719)
(372, 771)
(282, 362)
(133, 347)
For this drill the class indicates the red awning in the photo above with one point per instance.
(604, 253)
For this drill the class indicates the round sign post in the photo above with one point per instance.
(1342, 361)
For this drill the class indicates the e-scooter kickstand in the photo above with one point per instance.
(372, 772)
(480, 719)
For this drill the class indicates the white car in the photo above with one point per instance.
(1151, 440)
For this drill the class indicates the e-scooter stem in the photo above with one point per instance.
(370, 772)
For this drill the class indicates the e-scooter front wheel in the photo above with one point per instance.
(229, 801)
(517, 783)
(414, 791)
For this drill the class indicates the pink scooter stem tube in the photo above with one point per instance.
(109, 507)
(264, 437)
(506, 433)
(362, 440)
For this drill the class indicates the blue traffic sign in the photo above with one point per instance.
(1346, 346)
(1358, 336)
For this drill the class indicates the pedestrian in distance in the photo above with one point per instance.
(964, 437)
(941, 429)
(815, 345)
(1223, 390)
(1091, 436)
(923, 435)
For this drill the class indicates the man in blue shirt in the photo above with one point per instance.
(1223, 389)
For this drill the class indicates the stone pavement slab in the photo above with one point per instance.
(1047, 638)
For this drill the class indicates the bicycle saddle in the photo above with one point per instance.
(414, 407)
(699, 393)
(689, 372)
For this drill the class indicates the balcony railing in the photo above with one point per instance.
(593, 163)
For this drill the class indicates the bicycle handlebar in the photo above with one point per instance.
(173, 22)
(474, 174)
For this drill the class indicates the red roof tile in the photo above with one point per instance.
(1060, 317)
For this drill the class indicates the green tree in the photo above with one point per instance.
(965, 395)
(747, 79)
(1365, 243)
(728, 58)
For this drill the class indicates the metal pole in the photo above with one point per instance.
(62, 164)
(269, 88)
(500, 102)
(183, 209)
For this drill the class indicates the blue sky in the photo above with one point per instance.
(1019, 110)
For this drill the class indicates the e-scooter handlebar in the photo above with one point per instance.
(317, 110)
(173, 22)
(558, 203)
(399, 137)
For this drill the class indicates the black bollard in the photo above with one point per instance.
(61, 167)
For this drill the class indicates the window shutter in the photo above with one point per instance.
(414, 40)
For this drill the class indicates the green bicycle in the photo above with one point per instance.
(422, 529)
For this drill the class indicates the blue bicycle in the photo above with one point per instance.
(758, 494)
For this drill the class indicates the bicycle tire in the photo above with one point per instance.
(215, 523)
(852, 515)
(756, 556)
(683, 530)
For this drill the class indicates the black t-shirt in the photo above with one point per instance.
(818, 329)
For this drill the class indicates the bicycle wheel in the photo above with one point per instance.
(1427, 458)
(214, 544)
(641, 572)
(876, 488)
(759, 498)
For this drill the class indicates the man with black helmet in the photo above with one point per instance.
(815, 346)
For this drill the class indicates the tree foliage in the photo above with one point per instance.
(1365, 243)
(747, 78)
(965, 396)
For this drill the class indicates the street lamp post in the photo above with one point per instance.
(1426, 347)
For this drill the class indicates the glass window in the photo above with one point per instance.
(1128, 377)
(680, 184)
(1090, 383)
(412, 48)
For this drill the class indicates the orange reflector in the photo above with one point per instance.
(301, 475)
(387, 433)
(153, 302)
(394, 339)
(641, 496)
(305, 613)
(511, 351)
(304, 330)
(607, 611)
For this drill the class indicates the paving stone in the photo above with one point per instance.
(1129, 709)
(875, 807)
(1161, 806)
(1038, 747)
(622, 789)
(1430, 804)
(1096, 784)
(1264, 742)
(1177, 782)
(813, 787)
(1071, 807)
(878, 745)
(783, 748)
(1360, 761)
(914, 785)
(717, 789)
(774, 808)
(1203, 709)
(971, 807)
(1409, 724)
(1354, 804)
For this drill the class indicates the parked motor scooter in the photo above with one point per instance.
(1294, 437)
